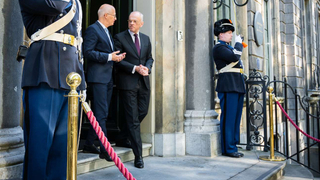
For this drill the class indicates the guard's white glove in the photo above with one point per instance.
(238, 39)
(84, 95)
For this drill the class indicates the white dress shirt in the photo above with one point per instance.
(106, 31)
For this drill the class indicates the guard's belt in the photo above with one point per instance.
(64, 38)
(50, 30)
(229, 68)
(235, 70)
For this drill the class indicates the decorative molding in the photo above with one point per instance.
(11, 153)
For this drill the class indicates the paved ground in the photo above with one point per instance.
(294, 171)
(194, 168)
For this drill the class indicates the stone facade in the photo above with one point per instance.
(170, 78)
(184, 115)
(201, 124)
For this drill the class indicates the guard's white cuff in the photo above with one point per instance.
(84, 94)
(237, 52)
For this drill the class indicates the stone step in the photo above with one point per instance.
(88, 162)
(295, 171)
(258, 169)
(249, 167)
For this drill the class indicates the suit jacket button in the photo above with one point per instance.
(64, 48)
(111, 67)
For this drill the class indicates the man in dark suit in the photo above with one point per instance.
(99, 52)
(133, 79)
(47, 64)
(230, 86)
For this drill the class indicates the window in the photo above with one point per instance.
(224, 10)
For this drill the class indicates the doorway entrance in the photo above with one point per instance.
(123, 9)
(90, 9)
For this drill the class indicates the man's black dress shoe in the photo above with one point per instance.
(124, 143)
(91, 149)
(241, 154)
(138, 162)
(105, 155)
(234, 155)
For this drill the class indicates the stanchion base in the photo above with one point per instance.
(268, 158)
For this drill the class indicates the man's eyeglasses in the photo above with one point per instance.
(132, 21)
(115, 16)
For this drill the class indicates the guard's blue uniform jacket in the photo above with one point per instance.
(231, 89)
(46, 67)
(49, 61)
(223, 55)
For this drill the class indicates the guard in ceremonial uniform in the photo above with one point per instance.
(230, 86)
(54, 27)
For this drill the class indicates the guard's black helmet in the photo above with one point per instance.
(222, 26)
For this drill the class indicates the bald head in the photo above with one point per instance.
(105, 8)
(137, 14)
(107, 15)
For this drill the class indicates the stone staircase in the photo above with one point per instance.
(188, 167)
(247, 168)
(88, 162)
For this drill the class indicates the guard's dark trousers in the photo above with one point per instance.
(45, 133)
(231, 109)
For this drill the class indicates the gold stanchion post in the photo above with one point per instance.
(272, 157)
(73, 80)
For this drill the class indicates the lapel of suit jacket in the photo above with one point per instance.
(130, 41)
(105, 34)
(142, 49)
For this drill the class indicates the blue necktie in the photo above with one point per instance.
(107, 31)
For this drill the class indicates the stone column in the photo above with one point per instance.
(170, 78)
(11, 139)
(201, 125)
(147, 8)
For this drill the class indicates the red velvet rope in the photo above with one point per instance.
(108, 147)
(294, 124)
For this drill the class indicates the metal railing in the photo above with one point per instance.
(256, 110)
(219, 3)
(288, 141)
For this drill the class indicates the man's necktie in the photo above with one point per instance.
(107, 31)
(136, 43)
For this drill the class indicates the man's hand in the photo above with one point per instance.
(118, 58)
(144, 71)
